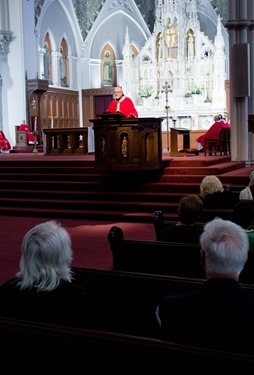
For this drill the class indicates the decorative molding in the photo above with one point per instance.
(6, 37)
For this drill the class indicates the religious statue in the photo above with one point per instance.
(170, 37)
(190, 46)
(47, 63)
(159, 46)
(125, 147)
(63, 68)
(107, 67)
(103, 147)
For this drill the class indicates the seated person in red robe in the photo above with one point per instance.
(4, 143)
(213, 132)
(30, 135)
(122, 103)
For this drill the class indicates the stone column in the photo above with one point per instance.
(239, 46)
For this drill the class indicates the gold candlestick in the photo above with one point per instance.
(35, 151)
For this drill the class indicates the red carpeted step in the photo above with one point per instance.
(71, 187)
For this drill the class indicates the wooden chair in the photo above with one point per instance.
(226, 141)
(221, 144)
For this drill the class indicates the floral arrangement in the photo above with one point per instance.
(145, 91)
(195, 90)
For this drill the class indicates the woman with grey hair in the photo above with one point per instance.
(43, 289)
(248, 192)
(214, 194)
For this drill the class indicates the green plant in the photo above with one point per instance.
(145, 91)
(188, 94)
(195, 90)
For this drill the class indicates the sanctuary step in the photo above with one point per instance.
(71, 187)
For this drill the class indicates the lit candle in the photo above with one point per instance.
(52, 121)
(35, 124)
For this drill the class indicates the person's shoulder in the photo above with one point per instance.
(9, 284)
(188, 229)
(69, 286)
(179, 299)
(9, 290)
(245, 193)
(168, 233)
(250, 234)
(70, 289)
(248, 293)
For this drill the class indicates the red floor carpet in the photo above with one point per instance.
(89, 240)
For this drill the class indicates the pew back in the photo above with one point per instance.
(68, 348)
(126, 301)
(207, 214)
(32, 347)
(157, 257)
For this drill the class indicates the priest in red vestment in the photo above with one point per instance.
(214, 131)
(30, 135)
(122, 103)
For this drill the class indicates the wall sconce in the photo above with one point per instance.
(33, 103)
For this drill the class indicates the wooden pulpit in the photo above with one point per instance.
(127, 144)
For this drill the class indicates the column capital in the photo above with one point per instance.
(6, 37)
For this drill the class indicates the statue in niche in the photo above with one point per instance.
(170, 37)
(63, 69)
(190, 46)
(47, 62)
(103, 147)
(159, 46)
(125, 147)
(108, 64)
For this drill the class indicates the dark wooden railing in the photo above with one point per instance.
(66, 141)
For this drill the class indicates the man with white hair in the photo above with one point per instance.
(219, 314)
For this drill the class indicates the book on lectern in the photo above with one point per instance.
(111, 115)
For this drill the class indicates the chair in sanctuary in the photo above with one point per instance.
(221, 144)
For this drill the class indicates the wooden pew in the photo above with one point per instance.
(125, 302)
(126, 295)
(156, 257)
(246, 276)
(160, 222)
(27, 344)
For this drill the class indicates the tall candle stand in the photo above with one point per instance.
(35, 151)
(166, 88)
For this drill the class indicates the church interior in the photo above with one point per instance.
(172, 58)
(113, 181)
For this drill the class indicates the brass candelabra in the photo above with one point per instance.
(35, 151)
